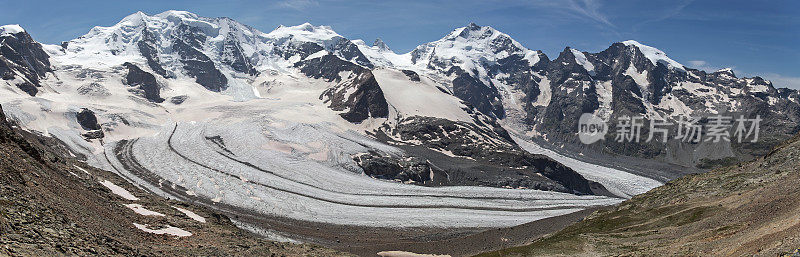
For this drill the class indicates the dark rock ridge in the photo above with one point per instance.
(150, 53)
(412, 75)
(381, 45)
(485, 98)
(358, 95)
(521, 76)
(303, 50)
(487, 155)
(198, 65)
(233, 56)
(401, 169)
(88, 121)
(569, 100)
(145, 83)
(178, 99)
(349, 51)
(20, 53)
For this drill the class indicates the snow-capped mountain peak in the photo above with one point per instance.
(304, 32)
(10, 29)
(471, 42)
(380, 45)
(161, 29)
(296, 39)
(174, 14)
(725, 70)
(654, 55)
(472, 49)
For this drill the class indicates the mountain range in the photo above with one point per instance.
(301, 120)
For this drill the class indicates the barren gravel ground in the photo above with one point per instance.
(750, 209)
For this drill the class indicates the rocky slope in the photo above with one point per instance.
(53, 205)
(748, 209)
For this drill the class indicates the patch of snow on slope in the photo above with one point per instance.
(654, 55)
(757, 88)
(168, 230)
(119, 190)
(580, 58)
(604, 93)
(532, 57)
(640, 79)
(545, 91)
(191, 214)
(678, 108)
(139, 209)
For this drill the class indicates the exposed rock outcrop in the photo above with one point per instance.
(20, 54)
(359, 96)
(145, 83)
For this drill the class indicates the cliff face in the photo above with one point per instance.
(22, 60)
(747, 209)
(54, 205)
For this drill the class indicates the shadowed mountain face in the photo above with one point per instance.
(22, 60)
(631, 79)
(55, 205)
(750, 209)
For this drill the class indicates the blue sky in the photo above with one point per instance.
(753, 37)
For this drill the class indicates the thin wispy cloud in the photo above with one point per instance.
(297, 4)
(665, 14)
(703, 65)
(591, 10)
(779, 80)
